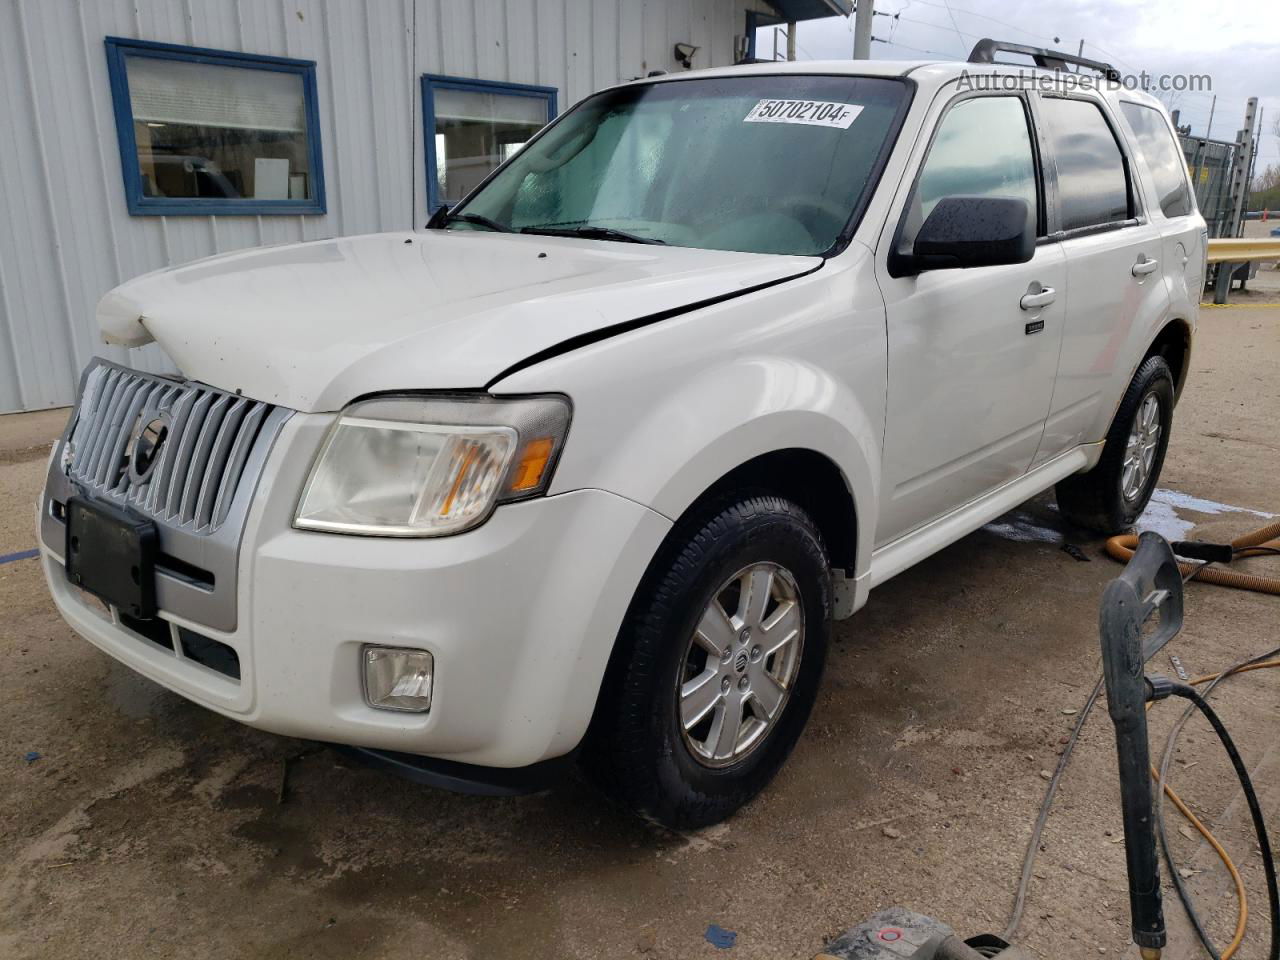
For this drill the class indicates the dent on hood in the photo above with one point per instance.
(311, 326)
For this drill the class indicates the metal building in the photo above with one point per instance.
(139, 134)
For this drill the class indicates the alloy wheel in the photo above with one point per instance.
(740, 664)
(1140, 451)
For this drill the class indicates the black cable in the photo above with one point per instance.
(1046, 805)
(1179, 886)
(1255, 809)
(1259, 551)
(1196, 572)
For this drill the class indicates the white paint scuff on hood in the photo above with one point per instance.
(314, 325)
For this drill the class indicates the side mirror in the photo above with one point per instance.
(965, 232)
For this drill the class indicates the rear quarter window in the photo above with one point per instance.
(1093, 189)
(1156, 144)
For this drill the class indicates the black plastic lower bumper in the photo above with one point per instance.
(465, 777)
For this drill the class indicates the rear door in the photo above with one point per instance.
(1115, 262)
(1171, 203)
(972, 352)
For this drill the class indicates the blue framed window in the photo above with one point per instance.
(472, 127)
(214, 131)
(755, 23)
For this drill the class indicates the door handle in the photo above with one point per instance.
(1144, 266)
(1030, 301)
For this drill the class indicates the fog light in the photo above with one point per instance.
(396, 678)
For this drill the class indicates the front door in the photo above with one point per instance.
(972, 352)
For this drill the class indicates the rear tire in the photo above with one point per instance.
(705, 697)
(1111, 496)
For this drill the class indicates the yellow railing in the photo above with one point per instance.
(1233, 250)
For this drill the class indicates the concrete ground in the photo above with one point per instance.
(149, 827)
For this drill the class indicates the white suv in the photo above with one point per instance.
(587, 468)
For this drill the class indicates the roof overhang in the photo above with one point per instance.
(811, 9)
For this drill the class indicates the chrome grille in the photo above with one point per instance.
(202, 459)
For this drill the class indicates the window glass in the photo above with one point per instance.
(982, 148)
(1092, 188)
(475, 132)
(211, 131)
(763, 164)
(1163, 157)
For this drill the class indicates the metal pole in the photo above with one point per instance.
(862, 30)
(1222, 285)
(1208, 134)
(1243, 163)
(1080, 52)
(791, 39)
(1253, 164)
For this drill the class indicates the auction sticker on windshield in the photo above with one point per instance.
(818, 113)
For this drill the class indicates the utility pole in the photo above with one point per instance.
(1080, 52)
(862, 30)
(791, 39)
(1208, 133)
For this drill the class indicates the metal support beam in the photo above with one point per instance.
(862, 30)
(1242, 161)
(1222, 286)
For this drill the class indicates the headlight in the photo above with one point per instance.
(429, 466)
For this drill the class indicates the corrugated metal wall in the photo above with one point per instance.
(65, 234)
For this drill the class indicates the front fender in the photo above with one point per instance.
(734, 413)
(663, 412)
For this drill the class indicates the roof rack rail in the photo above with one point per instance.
(985, 50)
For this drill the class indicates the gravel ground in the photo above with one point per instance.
(149, 827)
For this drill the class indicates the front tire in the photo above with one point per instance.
(1111, 496)
(717, 664)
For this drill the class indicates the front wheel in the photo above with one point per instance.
(718, 664)
(1111, 496)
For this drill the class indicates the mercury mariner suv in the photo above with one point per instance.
(584, 470)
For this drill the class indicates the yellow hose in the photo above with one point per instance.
(1122, 548)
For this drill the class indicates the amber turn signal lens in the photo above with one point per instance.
(532, 465)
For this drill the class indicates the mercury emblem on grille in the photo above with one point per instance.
(148, 438)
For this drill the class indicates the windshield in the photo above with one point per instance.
(760, 164)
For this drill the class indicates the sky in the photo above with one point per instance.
(1236, 43)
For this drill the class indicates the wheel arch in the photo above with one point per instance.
(807, 477)
(1173, 343)
(811, 480)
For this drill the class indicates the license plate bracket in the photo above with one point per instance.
(111, 553)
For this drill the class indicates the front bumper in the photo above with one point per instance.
(519, 613)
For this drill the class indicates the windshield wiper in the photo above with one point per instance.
(590, 232)
(478, 220)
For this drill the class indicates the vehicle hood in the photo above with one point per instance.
(312, 326)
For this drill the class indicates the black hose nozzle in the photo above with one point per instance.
(1203, 550)
(1150, 585)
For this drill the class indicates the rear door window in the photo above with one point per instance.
(1093, 188)
(1164, 159)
